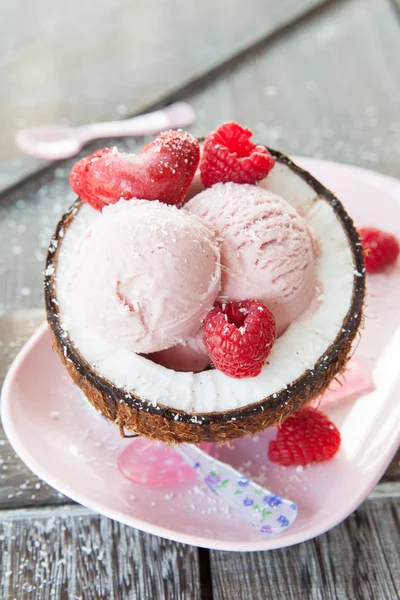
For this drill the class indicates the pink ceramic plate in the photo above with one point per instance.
(72, 448)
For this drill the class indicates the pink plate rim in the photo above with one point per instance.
(270, 543)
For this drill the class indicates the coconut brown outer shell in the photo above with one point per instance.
(134, 415)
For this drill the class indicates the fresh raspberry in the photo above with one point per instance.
(380, 248)
(229, 155)
(306, 437)
(239, 336)
(162, 171)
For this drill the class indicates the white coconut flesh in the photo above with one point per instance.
(295, 352)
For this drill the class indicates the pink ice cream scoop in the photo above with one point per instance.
(146, 275)
(190, 355)
(267, 250)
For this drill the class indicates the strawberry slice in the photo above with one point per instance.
(162, 171)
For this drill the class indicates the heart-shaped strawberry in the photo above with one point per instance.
(162, 171)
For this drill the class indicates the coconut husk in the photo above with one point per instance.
(135, 415)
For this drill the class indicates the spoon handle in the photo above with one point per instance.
(178, 114)
(269, 513)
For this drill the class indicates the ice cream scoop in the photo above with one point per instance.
(189, 356)
(145, 275)
(267, 249)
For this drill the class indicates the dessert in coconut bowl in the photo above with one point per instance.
(203, 294)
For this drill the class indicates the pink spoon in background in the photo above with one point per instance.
(54, 142)
(154, 463)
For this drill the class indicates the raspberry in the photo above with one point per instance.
(162, 171)
(306, 437)
(380, 248)
(239, 336)
(229, 155)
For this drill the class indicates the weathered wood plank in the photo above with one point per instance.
(73, 554)
(117, 60)
(15, 329)
(325, 88)
(359, 559)
(393, 472)
(18, 485)
(295, 95)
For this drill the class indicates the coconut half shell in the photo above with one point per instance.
(155, 417)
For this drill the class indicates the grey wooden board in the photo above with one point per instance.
(328, 88)
(358, 560)
(73, 554)
(18, 486)
(318, 90)
(29, 213)
(79, 62)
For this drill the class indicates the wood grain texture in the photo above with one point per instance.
(358, 560)
(15, 329)
(18, 485)
(393, 472)
(75, 555)
(327, 88)
(95, 63)
(316, 109)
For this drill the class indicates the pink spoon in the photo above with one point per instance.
(155, 464)
(54, 142)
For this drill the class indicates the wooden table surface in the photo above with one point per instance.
(312, 77)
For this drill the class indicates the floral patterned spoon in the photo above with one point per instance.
(269, 513)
